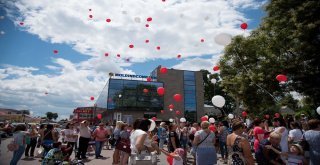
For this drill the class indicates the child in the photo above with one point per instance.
(176, 155)
(295, 155)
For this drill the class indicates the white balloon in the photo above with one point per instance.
(213, 81)
(223, 39)
(182, 120)
(318, 110)
(171, 120)
(171, 109)
(230, 116)
(137, 20)
(212, 120)
(152, 126)
(218, 101)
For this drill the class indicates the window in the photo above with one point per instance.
(190, 98)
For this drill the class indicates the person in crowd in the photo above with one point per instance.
(85, 136)
(42, 127)
(265, 156)
(139, 141)
(100, 135)
(49, 136)
(239, 146)
(195, 127)
(33, 135)
(223, 133)
(116, 134)
(177, 156)
(162, 134)
(183, 135)
(110, 130)
(295, 134)
(19, 136)
(70, 136)
(125, 137)
(258, 133)
(204, 141)
(56, 155)
(173, 142)
(312, 136)
(280, 127)
(295, 155)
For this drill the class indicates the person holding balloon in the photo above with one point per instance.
(176, 157)
(280, 127)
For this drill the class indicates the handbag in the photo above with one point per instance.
(40, 152)
(124, 145)
(112, 140)
(13, 146)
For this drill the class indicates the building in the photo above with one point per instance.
(86, 113)
(128, 97)
(21, 116)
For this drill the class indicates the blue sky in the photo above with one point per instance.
(29, 67)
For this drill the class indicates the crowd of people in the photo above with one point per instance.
(277, 142)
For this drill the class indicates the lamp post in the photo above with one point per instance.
(94, 112)
(120, 104)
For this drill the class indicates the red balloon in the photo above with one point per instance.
(106, 54)
(21, 23)
(162, 111)
(108, 20)
(118, 55)
(131, 46)
(164, 1)
(171, 106)
(282, 78)
(212, 128)
(177, 97)
(277, 115)
(149, 19)
(202, 40)
(158, 47)
(149, 79)
(147, 41)
(160, 91)
(46, 93)
(178, 112)
(267, 116)
(204, 118)
(244, 114)
(169, 158)
(55, 51)
(216, 68)
(90, 16)
(244, 26)
(154, 118)
(179, 56)
(99, 116)
(91, 98)
(145, 90)
(147, 25)
(163, 70)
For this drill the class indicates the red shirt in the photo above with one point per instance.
(100, 134)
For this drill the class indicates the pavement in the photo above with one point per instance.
(6, 156)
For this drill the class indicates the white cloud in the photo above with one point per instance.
(177, 27)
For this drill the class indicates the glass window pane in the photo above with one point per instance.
(189, 87)
(189, 83)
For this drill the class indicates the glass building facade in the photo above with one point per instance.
(190, 98)
(122, 94)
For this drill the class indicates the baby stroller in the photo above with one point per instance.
(67, 160)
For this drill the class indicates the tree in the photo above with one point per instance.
(55, 116)
(49, 115)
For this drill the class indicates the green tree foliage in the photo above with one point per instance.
(287, 42)
(51, 115)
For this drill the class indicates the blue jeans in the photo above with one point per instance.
(161, 142)
(17, 155)
(99, 146)
(223, 149)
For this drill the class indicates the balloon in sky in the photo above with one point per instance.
(21, 23)
(160, 91)
(147, 25)
(216, 68)
(108, 20)
(149, 19)
(213, 81)
(147, 41)
(106, 54)
(281, 78)
(171, 120)
(179, 56)
(99, 116)
(223, 39)
(145, 90)
(131, 46)
(202, 40)
(163, 70)
(158, 47)
(230, 116)
(149, 79)
(171, 106)
(178, 112)
(177, 97)
(137, 19)
(55, 51)
(244, 26)
(118, 55)
(244, 114)
(92, 98)
(218, 101)
(90, 16)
